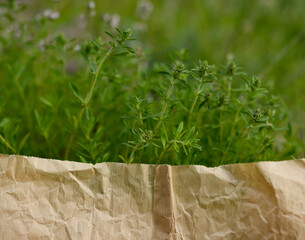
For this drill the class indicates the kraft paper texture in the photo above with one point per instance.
(52, 199)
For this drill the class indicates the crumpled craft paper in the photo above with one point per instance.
(52, 199)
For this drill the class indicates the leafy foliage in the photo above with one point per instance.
(104, 99)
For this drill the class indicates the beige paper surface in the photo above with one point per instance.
(52, 199)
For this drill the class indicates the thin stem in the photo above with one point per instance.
(45, 136)
(141, 153)
(169, 92)
(141, 122)
(249, 130)
(133, 151)
(7, 144)
(133, 126)
(163, 152)
(236, 117)
(195, 100)
(141, 118)
(73, 134)
(233, 126)
(97, 75)
(229, 87)
(87, 102)
(260, 151)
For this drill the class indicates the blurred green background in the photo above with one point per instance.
(265, 37)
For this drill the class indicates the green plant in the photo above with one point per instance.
(104, 99)
(96, 65)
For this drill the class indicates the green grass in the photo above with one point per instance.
(70, 90)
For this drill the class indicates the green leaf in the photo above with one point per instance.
(125, 34)
(176, 147)
(23, 141)
(152, 116)
(121, 54)
(112, 44)
(83, 159)
(185, 151)
(131, 159)
(164, 72)
(37, 116)
(163, 141)
(202, 104)
(118, 30)
(128, 145)
(129, 117)
(190, 132)
(180, 128)
(289, 130)
(95, 44)
(135, 132)
(93, 67)
(5, 123)
(19, 72)
(164, 136)
(131, 50)
(76, 92)
(123, 159)
(105, 157)
(154, 144)
(109, 34)
(197, 146)
(88, 113)
(75, 122)
(46, 102)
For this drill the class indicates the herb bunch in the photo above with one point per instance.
(101, 100)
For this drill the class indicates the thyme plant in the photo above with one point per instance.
(104, 99)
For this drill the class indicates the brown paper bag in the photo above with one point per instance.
(51, 199)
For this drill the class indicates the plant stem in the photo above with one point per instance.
(163, 151)
(7, 144)
(127, 148)
(260, 151)
(249, 130)
(169, 92)
(229, 87)
(87, 102)
(141, 153)
(133, 151)
(44, 134)
(111, 50)
(73, 134)
(195, 101)
(141, 118)
(233, 126)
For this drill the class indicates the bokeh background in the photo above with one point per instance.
(266, 38)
